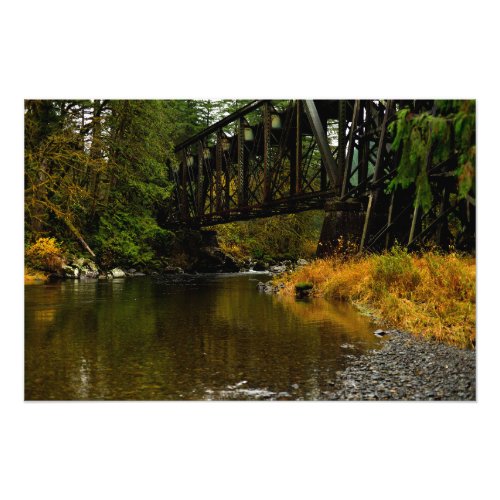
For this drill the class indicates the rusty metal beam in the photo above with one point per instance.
(222, 123)
(242, 166)
(350, 151)
(199, 182)
(322, 141)
(341, 153)
(218, 172)
(184, 200)
(266, 118)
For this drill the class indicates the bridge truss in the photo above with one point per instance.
(280, 157)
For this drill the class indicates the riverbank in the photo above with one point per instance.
(410, 369)
(430, 295)
(31, 276)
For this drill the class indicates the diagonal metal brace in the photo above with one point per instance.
(322, 141)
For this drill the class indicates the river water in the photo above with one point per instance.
(205, 337)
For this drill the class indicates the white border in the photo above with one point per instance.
(237, 450)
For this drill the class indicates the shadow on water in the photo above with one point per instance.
(189, 337)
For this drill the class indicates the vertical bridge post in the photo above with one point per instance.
(218, 173)
(350, 150)
(342, 141)
(372, 199)
(199, 184)
(266, 118)
(296, 150)
(242, 166)
(184, 198)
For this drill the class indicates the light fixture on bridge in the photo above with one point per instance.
(226, 143)
(248, 132)
(189, 160)
(207, 154)
(275, 121)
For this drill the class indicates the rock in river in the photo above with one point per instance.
(117, 273)
(71, 272)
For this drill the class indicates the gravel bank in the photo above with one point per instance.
(409, 368)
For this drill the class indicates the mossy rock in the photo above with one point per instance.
(303, 286)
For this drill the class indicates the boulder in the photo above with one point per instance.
(209, 260)
(302, 262)
(173, 270)
(85, 267)
(277, 269)
(71, 272)
(267, 287)
(88, 273)
(230, 265)
(117, 273)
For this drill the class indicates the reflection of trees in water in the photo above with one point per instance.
(145, 340)
(278, 330)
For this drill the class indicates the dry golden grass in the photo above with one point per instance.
(433, 295)
(32, 277)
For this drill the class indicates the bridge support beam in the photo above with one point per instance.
(350, 151)
(266, 119)
(218, 172)
(322, 141)
(242, 166)
(343, 222)
(296, 149)
(200, 181)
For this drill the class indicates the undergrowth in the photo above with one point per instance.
(431, 294)
(45, 254)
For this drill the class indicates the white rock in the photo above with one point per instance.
(117, 273)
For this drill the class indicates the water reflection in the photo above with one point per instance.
(206, 337)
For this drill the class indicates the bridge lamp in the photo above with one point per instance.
(190, 160)
(226, 144)
(248, 133)
(207, 154)
(275, 121)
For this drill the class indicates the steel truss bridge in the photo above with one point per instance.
(282, 157)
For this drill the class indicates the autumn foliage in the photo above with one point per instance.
(432, 294)
(45, 255)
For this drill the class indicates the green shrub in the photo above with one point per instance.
(395, 270)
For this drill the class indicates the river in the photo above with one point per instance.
(203, 337)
